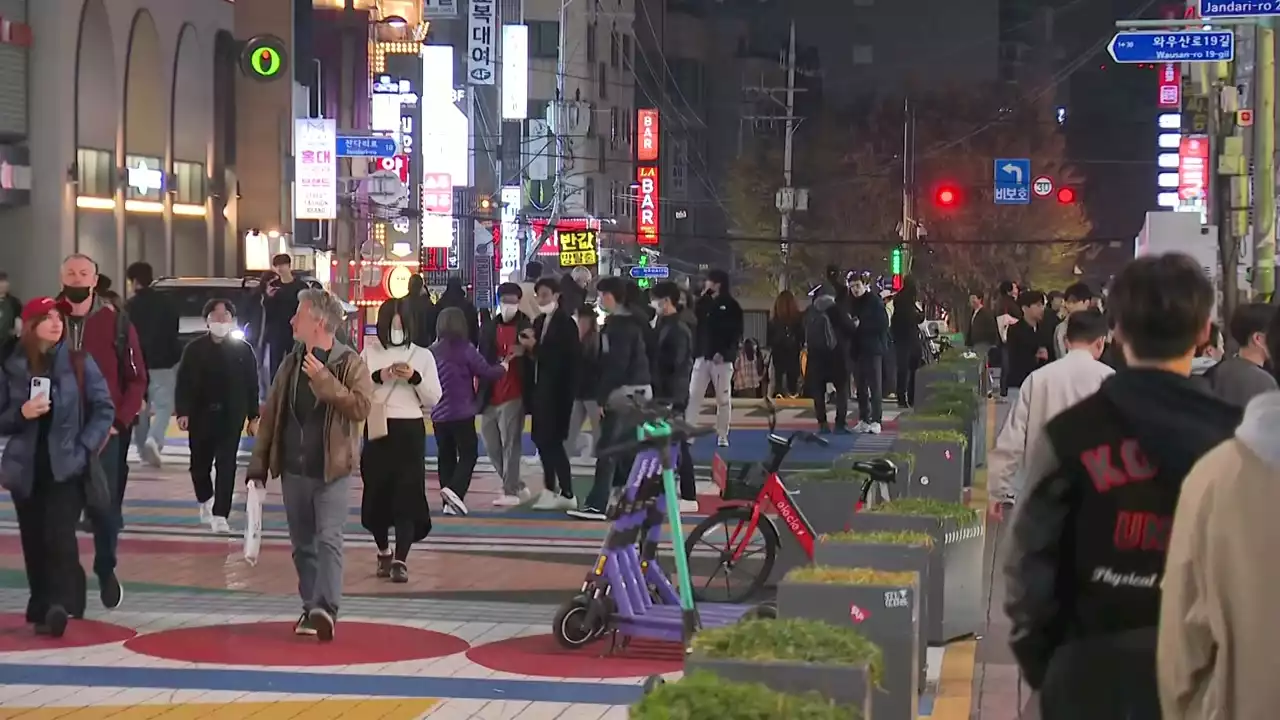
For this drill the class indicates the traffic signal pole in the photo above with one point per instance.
(1264, 158)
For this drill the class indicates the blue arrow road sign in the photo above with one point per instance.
(1238, 8)
(1173, 46)
(1013, 181)
(366, 146)
(651, 272)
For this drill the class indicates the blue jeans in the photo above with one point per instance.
(106, 530)
(154, 422)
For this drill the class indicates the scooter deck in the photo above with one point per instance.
(662, 615)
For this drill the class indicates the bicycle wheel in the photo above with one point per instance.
(752, 568)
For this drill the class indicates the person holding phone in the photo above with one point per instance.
(502, 405)
(55, 423)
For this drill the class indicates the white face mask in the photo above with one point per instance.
(656, 305)
(547, 309)
(397, 336)
(221, 330)
(509, 311)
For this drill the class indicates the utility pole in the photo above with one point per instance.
(909, 229)
(787, 204)
(1264, 159)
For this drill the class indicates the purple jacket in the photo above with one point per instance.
(459, 364)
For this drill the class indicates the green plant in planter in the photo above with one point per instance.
(827, 575)
(956, 418)
(880, 537)
(927, 507)
(958, 407)
(703, 695)
(935, 436)
(791, 640)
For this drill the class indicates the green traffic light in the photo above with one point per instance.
(266, 62)
(896, 261)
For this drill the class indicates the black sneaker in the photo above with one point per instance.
(384, 565)
(843, 430)
(110, 591)
(304, 626)
(55, 622)
(588, 513)
(399, 572)
(323, 624)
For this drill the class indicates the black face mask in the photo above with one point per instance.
(76, 294)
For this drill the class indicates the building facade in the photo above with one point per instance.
(124, 137)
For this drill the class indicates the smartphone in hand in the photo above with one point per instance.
(40, 386)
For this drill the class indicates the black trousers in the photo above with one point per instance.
(786, 363)
(868, 373)
(557, 472)
(47, 527)
(457, 447)
(393, 469)
(215, 442)
(818, 390)
(906, 379)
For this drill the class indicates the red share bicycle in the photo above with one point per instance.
(742, 537)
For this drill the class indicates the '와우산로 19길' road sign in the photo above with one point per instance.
(1145, 46)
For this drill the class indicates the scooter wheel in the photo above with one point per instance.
(571, 627)
(763, 611)
(653, 682)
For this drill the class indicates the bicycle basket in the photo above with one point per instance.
(743, 482)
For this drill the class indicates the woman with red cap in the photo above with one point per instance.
(56, 411)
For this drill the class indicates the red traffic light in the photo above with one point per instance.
(1066, 195)
(947, 197)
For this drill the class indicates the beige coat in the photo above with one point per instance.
(1220, 606)
(345, 389)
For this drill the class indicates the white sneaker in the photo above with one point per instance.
(862, 427)
(507, 501)
(548, 500)
(150, 452)
(722, 442)
(220, 525)
(448, 510)
(452, 502)
(688, 507)
(206, 512)
(874, 428)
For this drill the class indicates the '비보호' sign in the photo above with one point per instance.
(577, 247)
(481, 39)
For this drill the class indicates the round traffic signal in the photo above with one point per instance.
(947, 197)
(264, 58)
(1066, 195)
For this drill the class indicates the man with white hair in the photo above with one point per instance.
(309, 437)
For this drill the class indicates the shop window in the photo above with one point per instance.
(544, 39)
(94, 170)
(190, 178)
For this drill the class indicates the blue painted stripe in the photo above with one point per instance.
(317, 683)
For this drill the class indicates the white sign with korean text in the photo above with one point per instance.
(315, 185)
(439, 9)
(482, 43)
(511, 199)
(515, 72)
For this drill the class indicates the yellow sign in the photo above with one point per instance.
(577, 247)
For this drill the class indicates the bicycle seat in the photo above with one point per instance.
(880, 470)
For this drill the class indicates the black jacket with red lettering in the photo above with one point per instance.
(1089, 539)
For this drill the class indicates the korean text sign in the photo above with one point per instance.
(577, 247)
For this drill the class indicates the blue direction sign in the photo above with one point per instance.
(366, 146)
(1149, 46)
(1238, 8)
(651, 272)
(1013, 181)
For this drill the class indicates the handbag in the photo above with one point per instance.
(257, 495)
(97, 491)
(376, 424)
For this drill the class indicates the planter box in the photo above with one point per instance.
(891, 558)
(954, 575)
(843, 684)
(888, 616)
(828, 505)
(939, 470)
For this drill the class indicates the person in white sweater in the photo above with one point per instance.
(393, 462)
(1045, 393)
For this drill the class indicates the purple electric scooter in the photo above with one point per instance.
(626, 592)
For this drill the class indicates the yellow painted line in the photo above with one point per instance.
(955, 685)
(318, 709)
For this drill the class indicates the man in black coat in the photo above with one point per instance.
(672, 370)
(871, 342)
(156, 320)
(422, 312)
(554, 353)
(717, 338)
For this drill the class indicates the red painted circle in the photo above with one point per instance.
(16, 634)
(274, 645)
(542, 656)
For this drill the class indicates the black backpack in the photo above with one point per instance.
(818, 331)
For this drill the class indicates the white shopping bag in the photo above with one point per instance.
(253, 526)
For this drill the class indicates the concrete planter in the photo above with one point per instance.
(890, 558)
(844, 684)
(888, 616)
(939, 470)
(954, 574)
(828, 505)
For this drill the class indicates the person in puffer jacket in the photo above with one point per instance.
(458, 365)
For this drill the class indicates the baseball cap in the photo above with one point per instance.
(39, 307)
